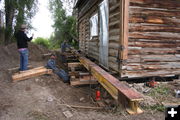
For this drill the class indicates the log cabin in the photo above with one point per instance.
(134, 38)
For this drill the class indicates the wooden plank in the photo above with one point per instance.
(31, 73)
(74, 64)
(78, 82)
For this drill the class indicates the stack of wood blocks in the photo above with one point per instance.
(79, 75)
(31, 73)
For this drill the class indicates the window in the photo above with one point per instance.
(94, 26)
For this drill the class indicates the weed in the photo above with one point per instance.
(38, 115)
(156, 107)
(159, 90)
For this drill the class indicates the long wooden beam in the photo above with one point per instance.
(31, 73)
(118, 90)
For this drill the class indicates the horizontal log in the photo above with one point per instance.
(154, 35)
(146, 11)
(150, 73)
(154, 44)
(168, 21)
(113, 66)
(93, 44)
(166, 4)
(114, 32)
(150, 28)
(134, 60)
(114, 23)
(113, 52)
(114, 38)
(93, 55)
(94, 48)
(156, 58)
(152, 66)
(113, 2)
(116, 15)
(114, 8)
(153, 51)
(112, 59)
(113, 46)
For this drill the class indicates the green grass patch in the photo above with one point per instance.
(157, 107)
(159, 90)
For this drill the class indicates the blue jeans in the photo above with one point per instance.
(23, 59)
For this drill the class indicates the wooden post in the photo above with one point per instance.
(124, 30)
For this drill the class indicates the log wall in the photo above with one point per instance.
(114, 25)
(87, 46)
(154, 38)
(91, 47)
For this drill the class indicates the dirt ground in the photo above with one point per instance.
(44, 97)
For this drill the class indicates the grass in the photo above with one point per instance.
(38, 115)
(160, 93)
(157, 107)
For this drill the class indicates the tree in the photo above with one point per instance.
(9, 13)
(17, 12)
(64, 26)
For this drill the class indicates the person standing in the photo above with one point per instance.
(22, 44)
(63, 47)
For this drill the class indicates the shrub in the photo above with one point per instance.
(42, 41)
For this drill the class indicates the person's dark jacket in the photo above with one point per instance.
(22, 39)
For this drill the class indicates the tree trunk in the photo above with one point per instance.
(9, 11)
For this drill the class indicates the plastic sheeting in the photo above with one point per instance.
(1, 19)
(104, 38)
(94, 25)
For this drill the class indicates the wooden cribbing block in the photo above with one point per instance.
(31, 73)
(83, 80)
(74, 64)
(78, 82)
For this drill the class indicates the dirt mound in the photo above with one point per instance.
(10, 56)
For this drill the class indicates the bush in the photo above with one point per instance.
(42, 41)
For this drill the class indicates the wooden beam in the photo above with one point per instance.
(31, 73)
(74, 64)
(78, 82)
(118, 90)
(124, 29)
